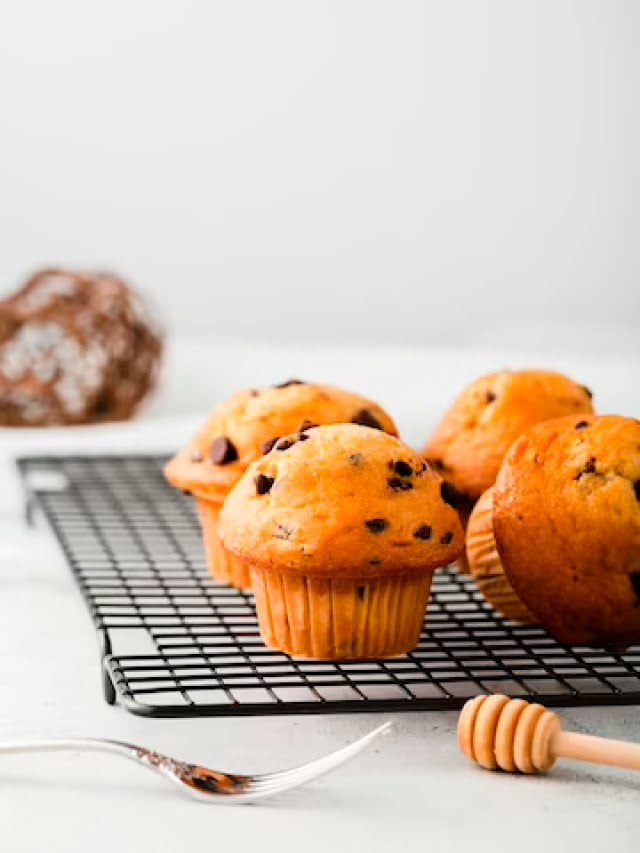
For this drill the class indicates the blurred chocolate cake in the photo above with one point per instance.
(74, 348)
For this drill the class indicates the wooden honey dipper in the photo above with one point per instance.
(511, 734)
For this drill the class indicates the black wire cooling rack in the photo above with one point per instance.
(175, 643)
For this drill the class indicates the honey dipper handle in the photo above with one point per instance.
(597, 750)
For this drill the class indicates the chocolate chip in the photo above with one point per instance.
(267, 446)
(360, 592)
(365, 418)
(223, 451)
(636, 489)
(289, 382)
(263, 484)
(399, 485)
(187, 493)
(356, 458)
(101, 405)
(284, 533)
(423, 532)
(376, 561)
(451, 495)
(582, 425)
(377, 525)
(285, 443)
(634, 579)
(402, 468)
(305, 425)
(196, 456)
(589, 467)
(489, 397)
(587, 391)
(446, 537)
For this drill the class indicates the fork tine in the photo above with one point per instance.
(274, 783)
(333, 759)
(270, 783)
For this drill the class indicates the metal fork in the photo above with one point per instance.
(200, 782)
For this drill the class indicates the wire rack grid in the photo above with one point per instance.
(175, 643)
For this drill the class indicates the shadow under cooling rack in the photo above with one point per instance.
(175, 643)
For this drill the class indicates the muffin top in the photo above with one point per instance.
(566, 515)
(242, 428)
(341, 500)
(471, 440)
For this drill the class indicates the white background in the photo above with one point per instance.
(388, 172)
(454, 187)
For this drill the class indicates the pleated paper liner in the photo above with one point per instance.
(486, 566)
(221, 564)
(338, 619)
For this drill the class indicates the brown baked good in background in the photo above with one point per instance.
(75, 348)
(485, 564)
(566, 516)
(243, 428)
(472, 438)
(342, 528)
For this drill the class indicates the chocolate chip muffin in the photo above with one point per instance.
(566, 517)
(342, 528)
(75, 348)
(243, 428)
(472, 438)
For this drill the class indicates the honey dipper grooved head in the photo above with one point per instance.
(510, 734)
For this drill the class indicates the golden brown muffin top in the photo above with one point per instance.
(472, 438)
(341, 500)
(567, 523)
(241, 429)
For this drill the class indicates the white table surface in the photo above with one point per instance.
(411, 790)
